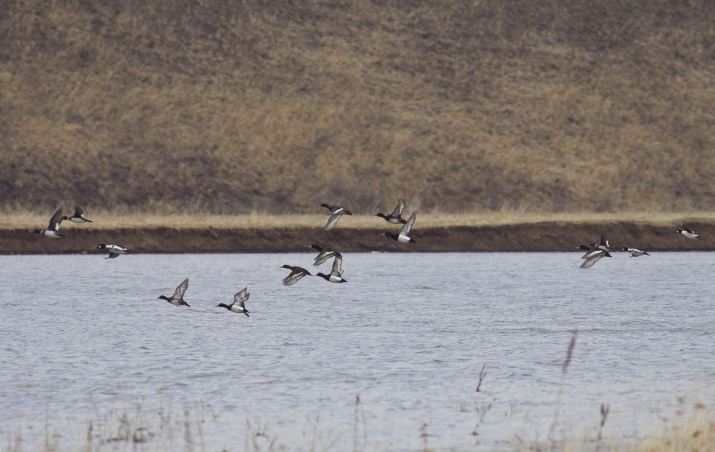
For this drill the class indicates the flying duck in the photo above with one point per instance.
(635, 252)
(53, 230)
(593, 257)
(335, 213)
(336, 273)
(78, 216)
(396, 216)
(296, 273)
(403, 236)
(604, 245)
(178, 297)
(239, 303)
(114, 250)
(324, 253)
(688, 234)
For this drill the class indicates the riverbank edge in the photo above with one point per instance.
(536, 236)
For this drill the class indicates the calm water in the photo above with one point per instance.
(85, 339)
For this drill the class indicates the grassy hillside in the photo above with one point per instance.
(231, 107)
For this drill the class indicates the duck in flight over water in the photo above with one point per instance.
(114, 250)
(239, 303)
(336, 273)
(324, 253)
(593, 256)
(178, 297)
(296, 273)
(635, 252)
(604, 244)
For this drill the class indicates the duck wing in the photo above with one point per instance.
(408, 226)
(592, 252)
(295, 275)
(241, 297)
(324, 256)
(179, 293)
(593, 259)
(293, 278)
(332, 220)
(56, 220)
(400, 207)
(337, 266)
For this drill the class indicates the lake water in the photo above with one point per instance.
(84, 339)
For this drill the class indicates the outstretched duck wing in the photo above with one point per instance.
(241, 296)
(400, 207)
(408, 226)
(332, 220)
(337, 266)
(55, 221)
(179, 293)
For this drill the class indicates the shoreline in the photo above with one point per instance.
(537, 236)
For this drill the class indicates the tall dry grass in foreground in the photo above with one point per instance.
(167, 430)
(694, 431)
(228, 107)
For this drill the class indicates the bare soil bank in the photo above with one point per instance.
(541, 236)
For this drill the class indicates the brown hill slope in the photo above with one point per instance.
(228, 107)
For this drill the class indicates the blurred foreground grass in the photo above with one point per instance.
(693, 430)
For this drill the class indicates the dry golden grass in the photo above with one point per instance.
(692, 433)
(105, 220)
(230, 107)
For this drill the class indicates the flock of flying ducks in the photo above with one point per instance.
(594, 251)
(53, 231)
(324, 253)
(297, 273)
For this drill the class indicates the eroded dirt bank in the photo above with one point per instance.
(543, 236)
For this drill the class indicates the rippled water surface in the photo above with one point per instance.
(85, 339)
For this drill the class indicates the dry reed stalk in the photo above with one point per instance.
(604, 415)
(564, 370)
(359, 415)
(482, 375)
